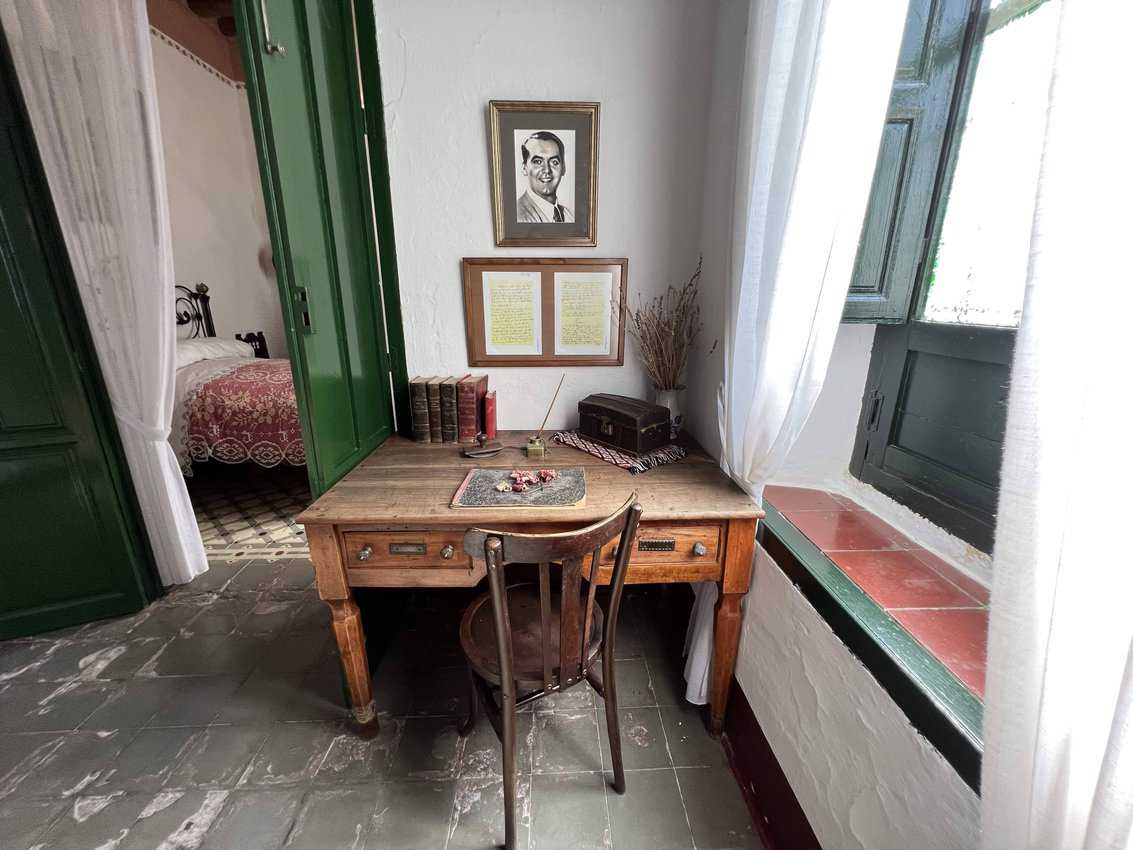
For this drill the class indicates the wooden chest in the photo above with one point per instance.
(625, 423)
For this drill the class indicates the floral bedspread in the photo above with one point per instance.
(246, 413)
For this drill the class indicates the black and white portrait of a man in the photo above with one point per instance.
(545, 169)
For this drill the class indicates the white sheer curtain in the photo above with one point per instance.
(817, 82)
(1058, 721)
(86, 73)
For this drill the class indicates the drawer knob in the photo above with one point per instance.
(447, 551)
(699, 549)
(365, 552)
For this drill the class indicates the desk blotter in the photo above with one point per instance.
(478, 490)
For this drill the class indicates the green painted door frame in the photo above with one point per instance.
(316, 115)
(75, 548)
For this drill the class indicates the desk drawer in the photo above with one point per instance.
(372, 550)
(672, 543)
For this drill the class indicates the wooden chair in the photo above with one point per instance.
(525, 641)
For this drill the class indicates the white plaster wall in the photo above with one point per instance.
(216, 204)
(648, 63)
(864, 777)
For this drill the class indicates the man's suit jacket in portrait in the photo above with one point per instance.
(527, 211)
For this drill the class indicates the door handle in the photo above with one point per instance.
(270, 46)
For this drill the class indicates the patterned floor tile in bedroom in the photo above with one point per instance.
(245, 511)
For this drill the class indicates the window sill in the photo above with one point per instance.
(917, 624)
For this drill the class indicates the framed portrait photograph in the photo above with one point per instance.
(544, 172)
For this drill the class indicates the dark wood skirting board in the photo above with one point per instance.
(775, 811)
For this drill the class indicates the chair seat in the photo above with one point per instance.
(478, 635)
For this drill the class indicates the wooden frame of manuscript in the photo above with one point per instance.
(545, 312)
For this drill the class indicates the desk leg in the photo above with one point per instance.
(726, 637)
(726, 643)
(330, 574)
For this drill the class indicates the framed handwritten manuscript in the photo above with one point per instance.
(540, 312)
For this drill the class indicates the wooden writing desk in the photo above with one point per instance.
(389, 524)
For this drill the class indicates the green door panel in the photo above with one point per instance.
(73, 548)
(893, 235)
(310, 135)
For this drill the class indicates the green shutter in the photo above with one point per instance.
(893, 235)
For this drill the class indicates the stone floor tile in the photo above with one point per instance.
(261, 698)
(254, 819)
(21, 754)
(222, 616)
(50, 706)
(333, 818)
(131, 704)
(218, 575)
(298, 653)
(313, 615)
(690, 743)
(483, 753)
(257, 575)
(716, 809)
(429, 748)
(268, 617)
(321, 696)
(219, 757)
(579, 698)
(633, 683)
(566, 742)
(70, 765)
(194, 700)
(353, 757)
(411, 814)
(568, 812)
(668, 681)
(291, 755)
(643, 739)
(297, 574)
(478, 813)
(20, 661)
(165, 620)
(650, 815)
(147, 761)
(175, 819)
(94, 821)
(23, 820)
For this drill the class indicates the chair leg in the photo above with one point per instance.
(473, 705)
(613, 727)
(508, 718)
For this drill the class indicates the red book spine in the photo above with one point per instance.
(466, 429)
(490, 415)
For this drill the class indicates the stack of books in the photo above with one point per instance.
(453, 409)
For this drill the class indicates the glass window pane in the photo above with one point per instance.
(980, 263)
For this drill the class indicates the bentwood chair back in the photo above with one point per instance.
(524, 641)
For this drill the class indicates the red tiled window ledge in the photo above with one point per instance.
(943, 609)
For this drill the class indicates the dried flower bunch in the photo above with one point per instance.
(665, 330)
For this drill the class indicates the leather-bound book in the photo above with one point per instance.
(433, 391)
(448, 409)
(470, 394)
(490, 415)
(419, 409)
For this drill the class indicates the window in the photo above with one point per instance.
(931, 429)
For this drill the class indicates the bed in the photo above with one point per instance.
(233, 403)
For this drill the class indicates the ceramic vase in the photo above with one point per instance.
(671, 399)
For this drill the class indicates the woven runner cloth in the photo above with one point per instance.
(635, 463)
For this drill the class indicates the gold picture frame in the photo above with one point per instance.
(549, 204)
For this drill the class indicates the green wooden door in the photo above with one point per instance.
(893, 239)
(311, 136)
(72, 547)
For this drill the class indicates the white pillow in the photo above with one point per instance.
(190, 351)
